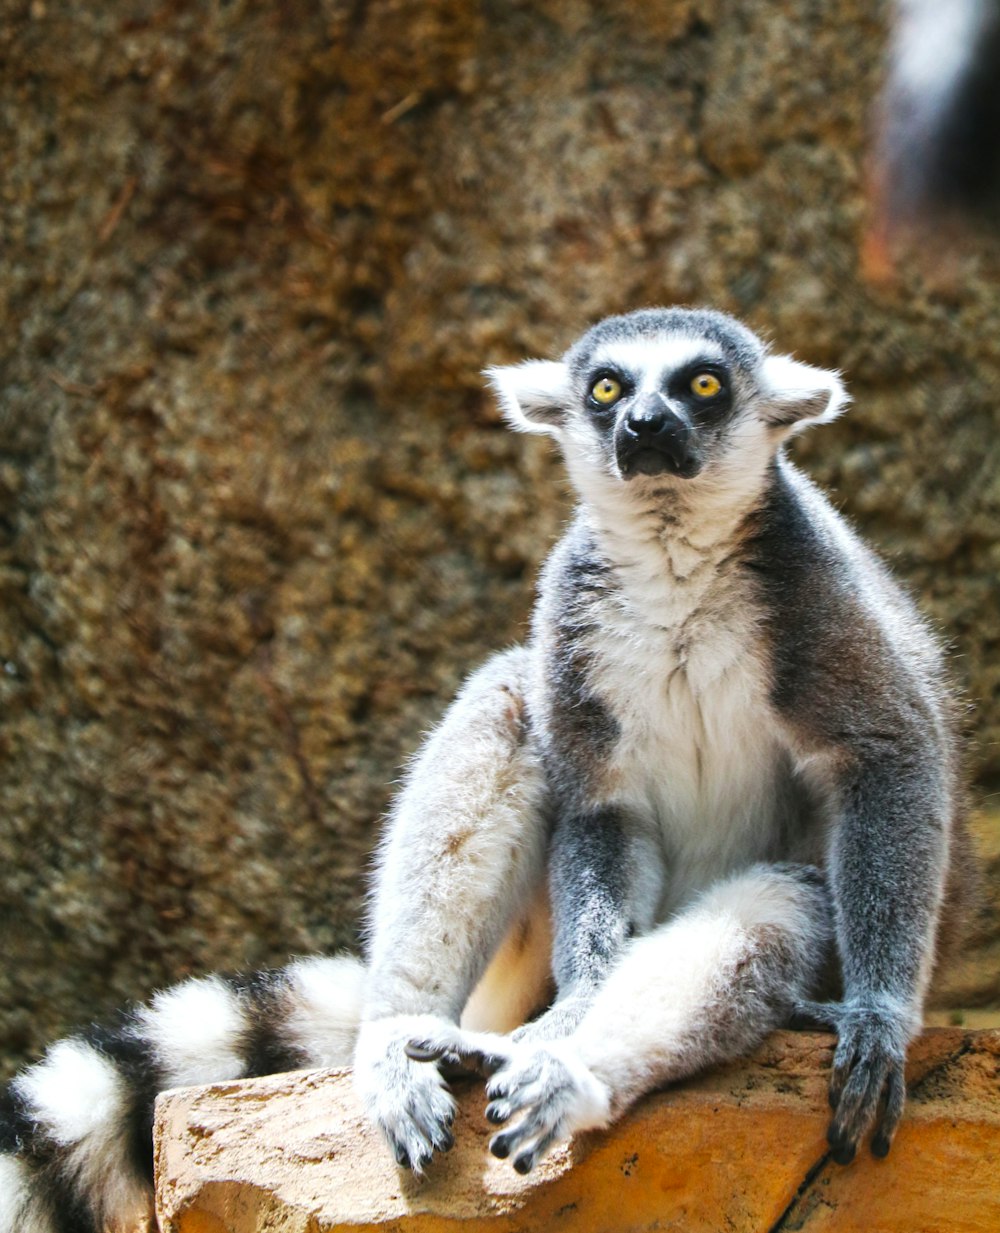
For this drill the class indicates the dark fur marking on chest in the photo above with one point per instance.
(581, 728)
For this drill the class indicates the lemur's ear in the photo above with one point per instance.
(532, 395)
(797, 394)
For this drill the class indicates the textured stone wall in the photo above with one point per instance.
(257, 517)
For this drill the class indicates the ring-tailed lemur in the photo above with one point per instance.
(718, 783)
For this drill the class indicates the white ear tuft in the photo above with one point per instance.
(797, 394)
(532, 395)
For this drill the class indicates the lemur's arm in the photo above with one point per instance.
(605, 878)
(464, 847)
(887, 858)
(857, 682)
(605, 881)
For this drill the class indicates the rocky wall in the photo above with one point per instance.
(257, 516)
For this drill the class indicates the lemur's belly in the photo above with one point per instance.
(700, 756)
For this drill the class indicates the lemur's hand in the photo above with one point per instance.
(556, 1094)
(408, 1102)
(480, 1053)
(868, 1065)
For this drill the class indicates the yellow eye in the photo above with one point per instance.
(705, 385)
(606, 391)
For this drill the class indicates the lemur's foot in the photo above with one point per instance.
(556, 1094)
(867, 1086)
(409, 1102)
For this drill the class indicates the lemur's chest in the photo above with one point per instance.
(684, 673)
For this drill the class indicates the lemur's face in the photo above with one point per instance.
(655, 405)
(667, 394)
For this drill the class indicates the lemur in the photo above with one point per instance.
(716, 792)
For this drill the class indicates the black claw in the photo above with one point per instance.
(524, 1163)
(500, 1147)
(445, 1142)
(494, 1115)
(880, 1146)
(402, 1157)
(420, 1051)
(845, 1154)
(424, 1160)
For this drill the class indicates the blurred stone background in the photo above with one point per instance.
(257, 515)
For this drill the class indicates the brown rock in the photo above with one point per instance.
(741, 1149)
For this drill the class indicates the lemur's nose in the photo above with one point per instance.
(646, 423)
(653, 438)
(654, 423)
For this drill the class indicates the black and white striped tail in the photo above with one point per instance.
(76, 1150)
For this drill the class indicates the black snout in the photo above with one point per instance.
(652, 438)
(646, 423)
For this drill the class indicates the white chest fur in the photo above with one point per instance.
(678, 663)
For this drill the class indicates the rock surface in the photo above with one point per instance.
(741, 1149)
(257, 517)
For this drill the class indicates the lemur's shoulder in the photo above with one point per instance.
(576, 559)
(840, 625)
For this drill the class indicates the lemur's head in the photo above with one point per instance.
(670, 393)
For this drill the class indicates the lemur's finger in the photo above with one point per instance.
(895, 1098)
(822, 1016)
(487, 1064)
(410, 1147)
(460, 1049)
(425, 1051)
(857, 1107)
(843, 1064)
(504, 1107)
(514, 1081)
(525, 1161)
(843, 1151)
(538, 1123)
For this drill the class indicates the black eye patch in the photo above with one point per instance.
(692, 386)
(602, 377)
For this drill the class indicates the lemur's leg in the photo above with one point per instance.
(76, 1129)
(702, 989)
(605, 882)
(463, 855)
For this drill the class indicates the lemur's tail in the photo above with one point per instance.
(76, 1150)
